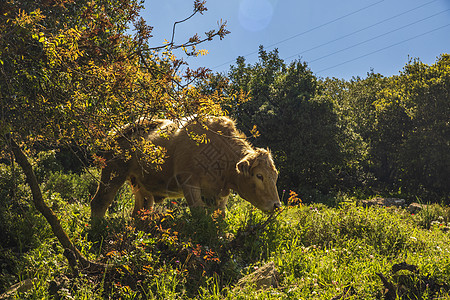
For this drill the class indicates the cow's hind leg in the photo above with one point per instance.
(143, 199)
(107, 188)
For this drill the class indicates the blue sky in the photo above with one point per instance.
(336, 38)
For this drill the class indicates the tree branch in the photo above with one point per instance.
(49, 215)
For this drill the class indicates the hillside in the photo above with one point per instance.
(319, 251)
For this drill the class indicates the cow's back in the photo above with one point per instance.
(207, 152)
(200, 153)
(156, 178)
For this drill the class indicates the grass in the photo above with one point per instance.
(319, 251)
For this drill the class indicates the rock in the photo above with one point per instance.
(379, 201)
(263, 278)
(415, 207)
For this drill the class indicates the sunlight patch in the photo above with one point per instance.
(255, 15)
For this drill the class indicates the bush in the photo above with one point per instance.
(17, 215)
(46, 164)
(21, 227)
(71, 187)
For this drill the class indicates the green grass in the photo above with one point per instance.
(319, 251)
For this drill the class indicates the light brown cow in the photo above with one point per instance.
(226, 161)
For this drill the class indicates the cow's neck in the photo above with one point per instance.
(234, 178)
(240, 150)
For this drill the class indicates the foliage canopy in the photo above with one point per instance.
(71, 75)
(387, 135)
(72, 72)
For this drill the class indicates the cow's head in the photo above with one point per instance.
(257, 179)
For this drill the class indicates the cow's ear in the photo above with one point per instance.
(243, 166)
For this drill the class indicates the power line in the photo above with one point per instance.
(305, 32)
(384, 48)
(323, 25)
(362, 29)
(378, 36)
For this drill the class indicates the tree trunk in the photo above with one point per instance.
(49, 215)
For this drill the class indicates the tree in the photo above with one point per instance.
(421, 94)
(396, 129)
(70, 74)
(284, 103)
(354, 105)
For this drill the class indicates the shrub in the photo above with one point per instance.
(46, 164)
(21, 227)
(71, 187)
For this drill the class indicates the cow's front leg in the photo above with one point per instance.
(191, 190)
(193, 195)
(221, 203)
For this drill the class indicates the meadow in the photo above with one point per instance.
(336, 249)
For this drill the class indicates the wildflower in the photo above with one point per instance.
(293, 198)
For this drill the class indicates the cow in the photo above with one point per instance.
(203, 159)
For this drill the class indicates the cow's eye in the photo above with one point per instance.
(260, 177)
